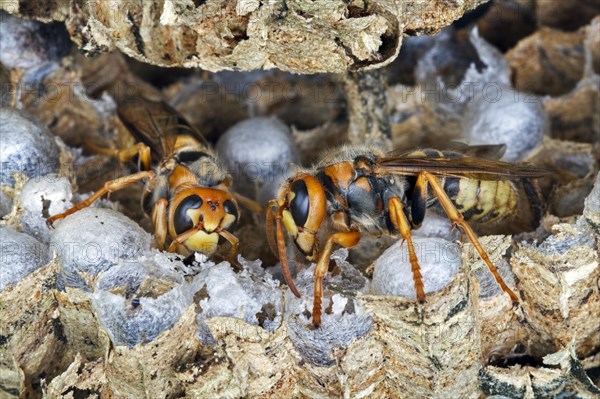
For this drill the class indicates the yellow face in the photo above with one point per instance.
(207, 211)
(206, 243)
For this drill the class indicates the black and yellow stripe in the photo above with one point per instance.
(482, 201)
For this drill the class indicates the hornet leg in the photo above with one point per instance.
(159, 220)
(109, 187)
(345, 239)
(401, 223)
(140, 149)
(248, 203)
(458, 220)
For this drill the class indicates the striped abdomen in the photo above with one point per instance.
(482, 201)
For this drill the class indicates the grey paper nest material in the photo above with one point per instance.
(298, 36)
(25, 147)
(378, 345)
(108, 317)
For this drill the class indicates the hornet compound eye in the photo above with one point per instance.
(182, 221)
(231, 209)
(300, 203)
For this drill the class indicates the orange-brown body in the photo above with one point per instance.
(187, 190)
(364, 190)
(198, 196)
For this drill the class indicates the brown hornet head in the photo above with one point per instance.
(202, 217)
(301, 208)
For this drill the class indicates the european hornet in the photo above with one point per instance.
(363, 190)
(187, 190)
